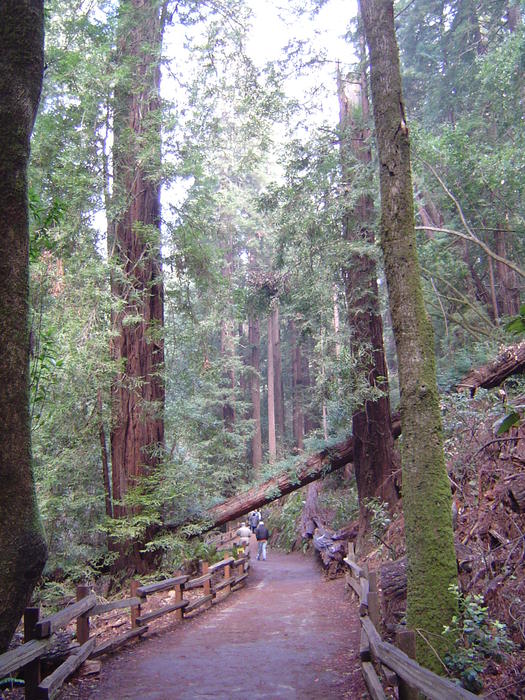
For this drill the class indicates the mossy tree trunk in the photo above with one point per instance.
(426, 491)
(22, 546)
(137, 435)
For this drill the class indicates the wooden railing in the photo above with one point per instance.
(227, 575)
(222, 540)
(395, 664)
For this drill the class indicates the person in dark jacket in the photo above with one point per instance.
(262, 536)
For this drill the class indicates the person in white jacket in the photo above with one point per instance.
(244, 534)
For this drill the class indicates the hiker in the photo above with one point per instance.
(255, 517)
(244, 533)
(262, 535)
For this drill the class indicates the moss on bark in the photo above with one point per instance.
(22, 545)
(426, 494)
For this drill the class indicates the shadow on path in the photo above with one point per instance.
(289, 634)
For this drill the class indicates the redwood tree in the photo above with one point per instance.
(22, 546)
(138, 390)
(375, 460)
(431, 561)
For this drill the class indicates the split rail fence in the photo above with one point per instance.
(227, 575)
(394, 663)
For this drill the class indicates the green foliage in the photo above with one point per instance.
(475, 638)
(517, 325)
(380, 516)
(284, 522)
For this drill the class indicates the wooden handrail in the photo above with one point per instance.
(48, 625)
(197, 582)
(34, 648)
(21, 656)
(220, 565)
(161, 585)
(373, 647)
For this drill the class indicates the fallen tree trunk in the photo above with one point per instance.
(314, 467)
(510, 361)
(331, 551)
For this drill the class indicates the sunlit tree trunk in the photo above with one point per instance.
(431, 560)
(22, 546)
(137, 435)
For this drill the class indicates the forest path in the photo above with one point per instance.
(289, 634)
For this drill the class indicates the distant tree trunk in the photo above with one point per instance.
(278, 375)
(297, 387)
(508, 287)
(106, 479)
(311, 421)
(227, 339)
(138, 347)
(272, 448)
(228, 406)
(375, 460)
(22, 547)
(426, 491)
(255, 390)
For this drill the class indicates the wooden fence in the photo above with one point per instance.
(223, 540)
(383, 663)
(227, 575)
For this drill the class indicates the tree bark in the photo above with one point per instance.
(426, 492)
(278, 375)
(137, 435)
(255, 390)
(272, 448)
(314, 467)
(375, 460)
(104, 457)
(22, 546)
(297, 385)
(510, 361)
(507, 282)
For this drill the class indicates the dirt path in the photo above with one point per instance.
(289, 634)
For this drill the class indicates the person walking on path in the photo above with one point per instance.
(255, 517)
(262, 535)
(244, 533)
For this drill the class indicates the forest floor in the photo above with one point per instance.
(289, 634)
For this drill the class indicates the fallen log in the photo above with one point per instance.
(510, 361)
(314, 467)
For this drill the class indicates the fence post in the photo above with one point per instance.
(227, 574)
(406, 641)
(373, 601)
(178, 595)
(207, 584)
(135, 609)
(31, 672)
(83, 620)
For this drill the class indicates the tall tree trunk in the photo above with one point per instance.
(507, 287)
(106, 479)
(431, 559)
(227, 338)
(375, 460)
(297, 385)
(278, 374)
(255, 390)
(272, 448)
(137, 434)
(22, 546)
